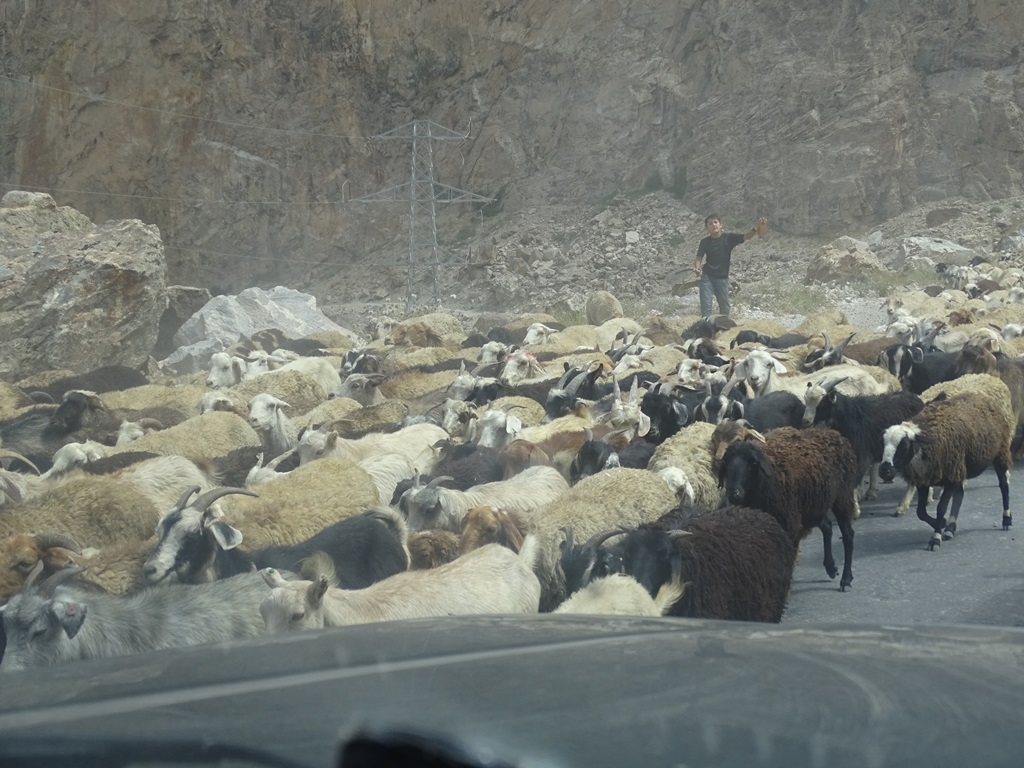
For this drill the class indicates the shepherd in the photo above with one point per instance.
(714, 255)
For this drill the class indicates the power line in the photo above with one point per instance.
(44, 188)
(181, 115)
(249, 257)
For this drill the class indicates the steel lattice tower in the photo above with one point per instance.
(423, 193)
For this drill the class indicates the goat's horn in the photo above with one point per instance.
(845, 342)
(828, 341)
(53, 581)
(33, 574)
(182, 501)
(47, 540)
(204, 501)
(598, 539)
(756, 435)
(437, 480)
(15, 455)
(573, 386)
(567, 530)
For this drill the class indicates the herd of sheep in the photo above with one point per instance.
(669, 467)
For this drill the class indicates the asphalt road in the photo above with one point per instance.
(976, 578)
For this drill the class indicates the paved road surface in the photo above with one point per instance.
(977, 578)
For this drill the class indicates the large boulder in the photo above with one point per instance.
(224, 319)
(602, 306)
(934, 248)
(77, 295)
(843, 260)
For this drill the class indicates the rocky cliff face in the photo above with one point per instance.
(238, 127)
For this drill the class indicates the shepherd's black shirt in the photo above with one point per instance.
(719, 253)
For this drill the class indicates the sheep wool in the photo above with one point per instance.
(301, 391)
(690, 450)
(181, 399)
(95, 510)
(601, 502)
(216, 433)
(292, 508)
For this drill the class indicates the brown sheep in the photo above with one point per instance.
(949, 441)
(429, 549)
(975, 359)
(486, 525)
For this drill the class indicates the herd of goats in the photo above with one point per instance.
(669, 467)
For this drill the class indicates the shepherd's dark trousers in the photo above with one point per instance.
(720, 287)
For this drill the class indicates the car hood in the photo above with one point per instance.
(563, 690)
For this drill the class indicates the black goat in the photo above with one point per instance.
(233, 468)
(771, 411)
(193, 546)
(37, 434)
(917, 369)
(785, 341)
(861, 419)
(672, 408)
(361, 361)
(106, 379)
(463, 465)
(707, 327)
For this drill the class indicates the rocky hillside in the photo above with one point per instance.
(240, 128)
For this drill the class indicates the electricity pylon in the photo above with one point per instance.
(422, 193)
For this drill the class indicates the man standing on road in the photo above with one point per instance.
(714, 272)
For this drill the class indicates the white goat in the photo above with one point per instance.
(492, 579)
(413, 442)
(622, 595)
(277, 432)
(763, 373)
(225, 370)
(494, 428)
(431, 506)
(521, 366)
(537, 333)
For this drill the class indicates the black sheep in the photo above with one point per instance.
(736, 563)
(798, 477)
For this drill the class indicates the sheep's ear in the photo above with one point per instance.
(513, 425)
(225, 535)
(332, 440)
(238, 367)
(762, 465)
(317, 590)
(69, 615)
(917, 354)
